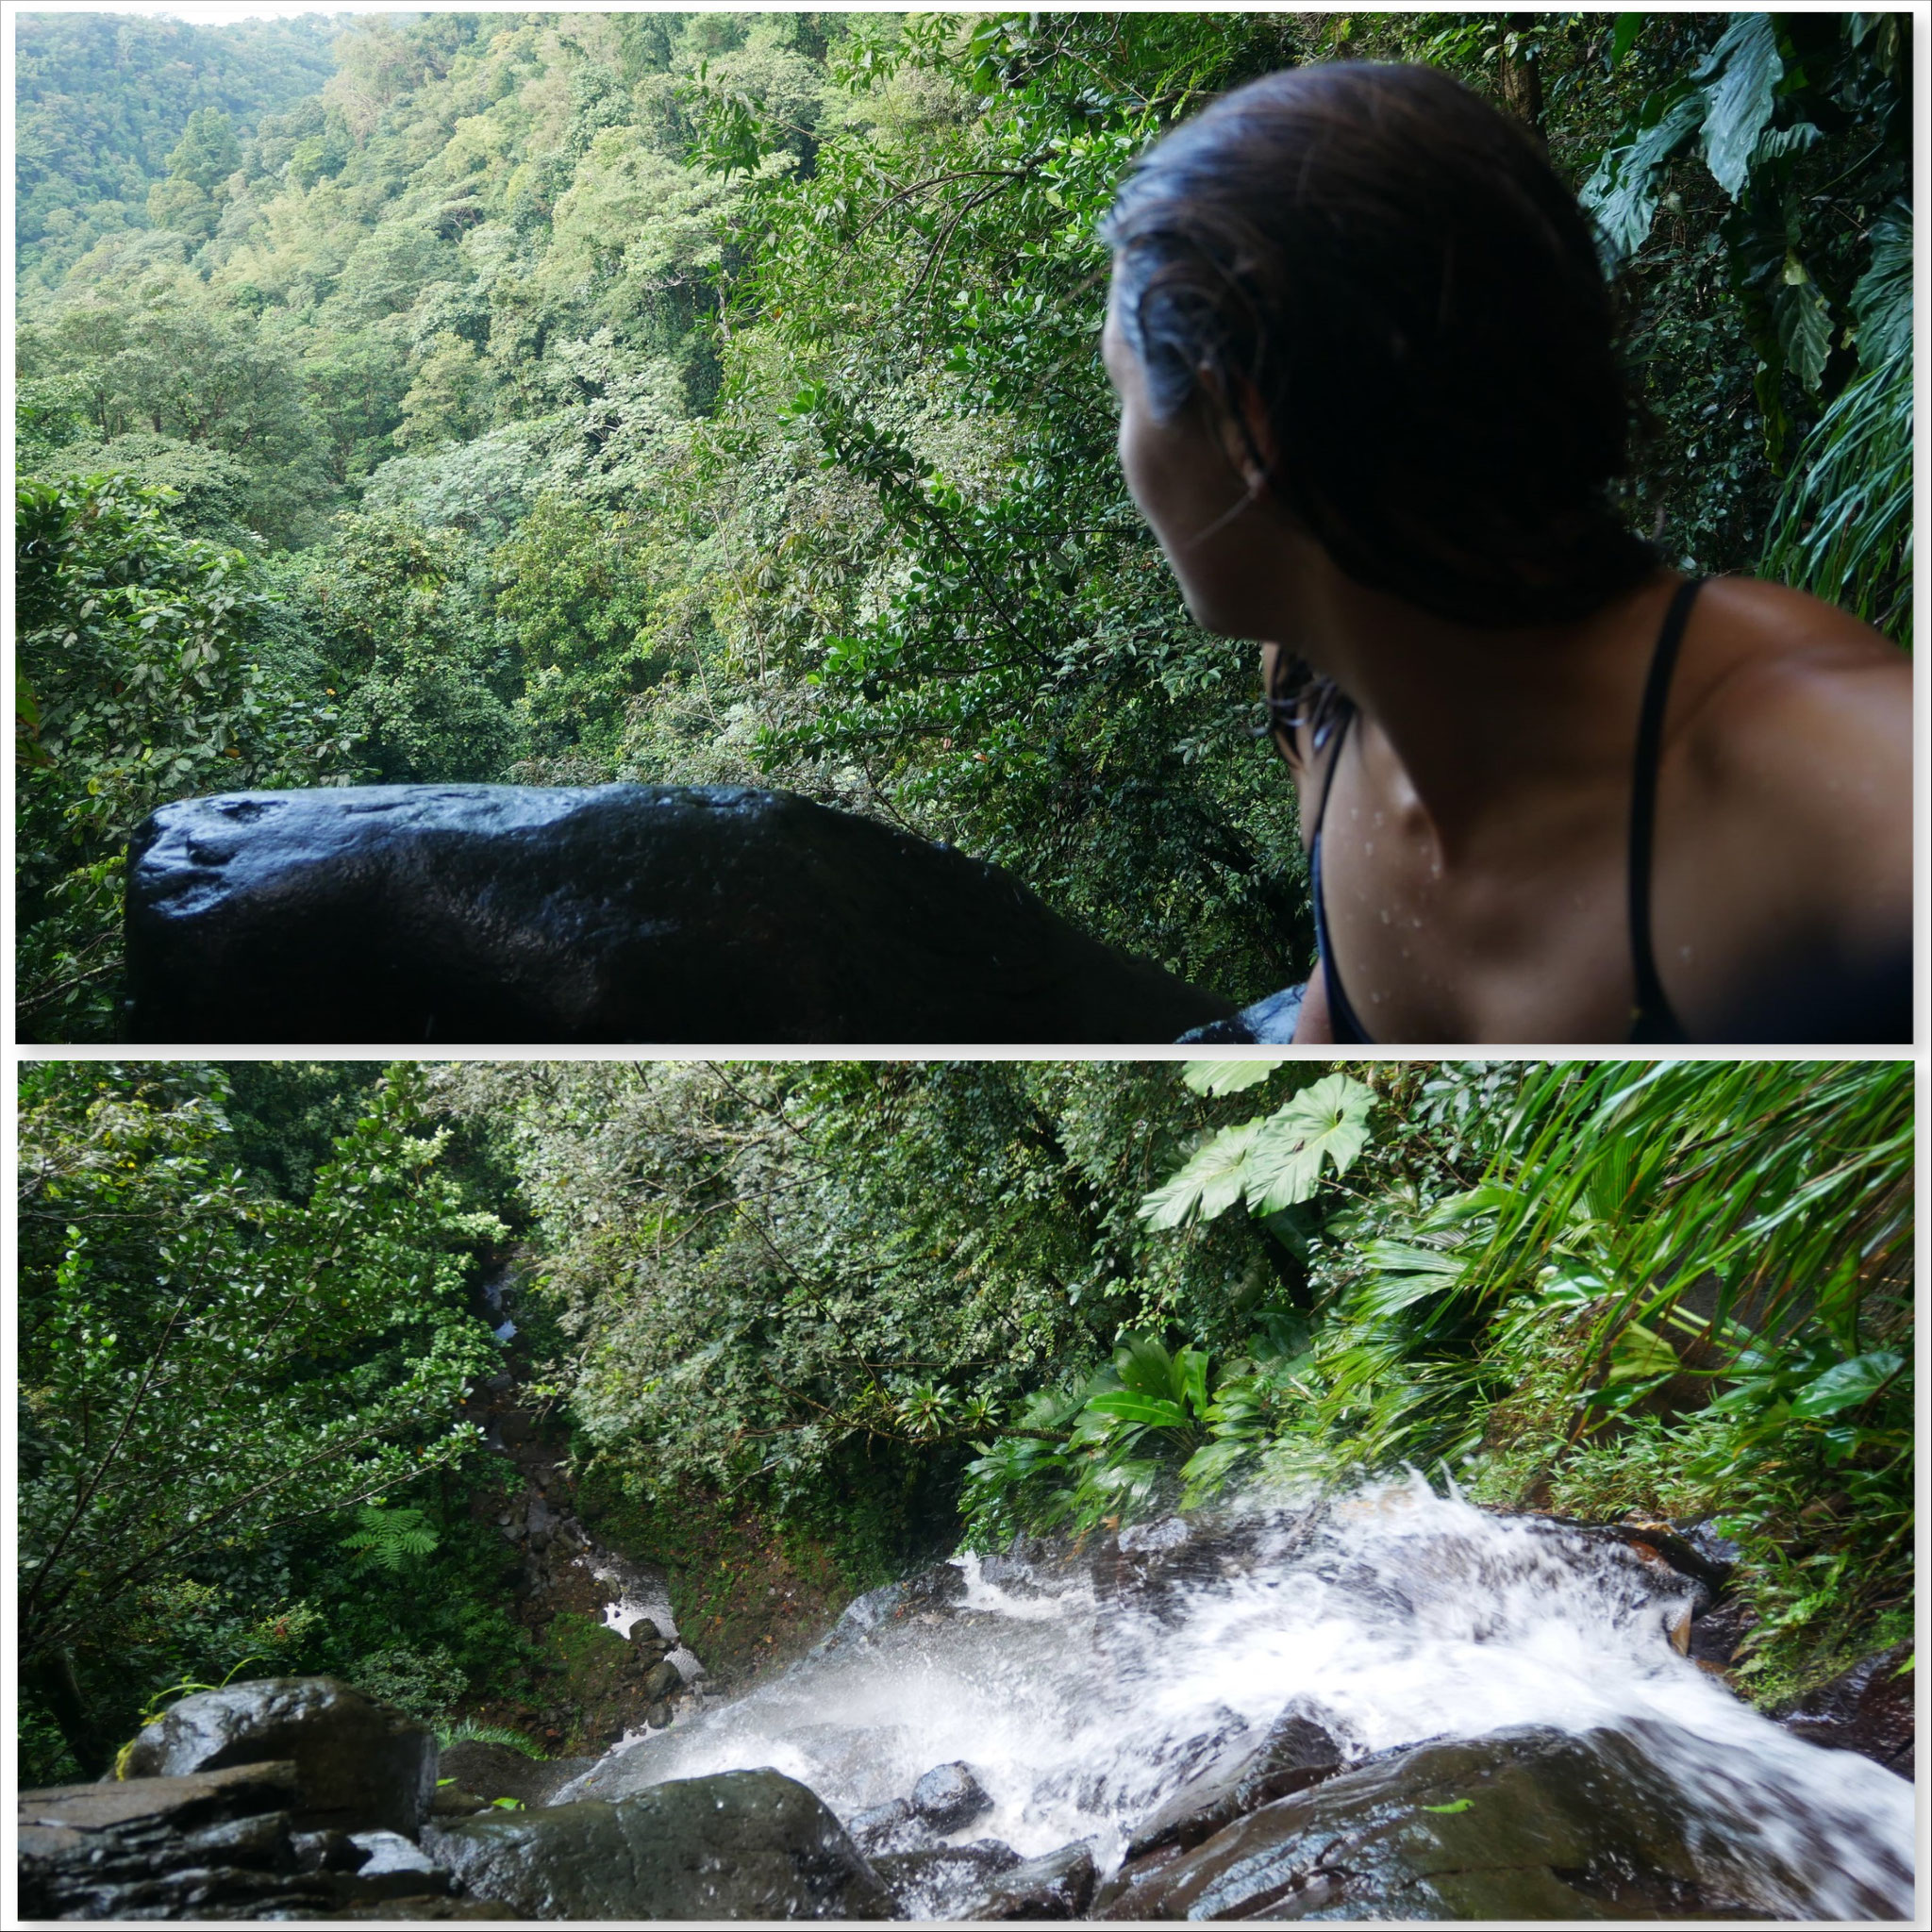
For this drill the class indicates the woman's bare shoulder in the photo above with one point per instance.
(1793, 765)
(1797, 698)
(1772, 629)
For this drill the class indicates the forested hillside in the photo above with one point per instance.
(798, 1328)
(710, 397)
(103, 99)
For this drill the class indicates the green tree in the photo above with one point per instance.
(137, 683)
(399, 615)
(200, 1365)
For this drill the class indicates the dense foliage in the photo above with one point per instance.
(1023, 1291)
(218, 1373)
(105, 100)
(693, 397)
(866, 1311)
(140, 677)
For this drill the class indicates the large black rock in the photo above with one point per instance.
(362, 1766)
(743, 1845)
(498, 914)
(213, 1844)
(1528, 1823)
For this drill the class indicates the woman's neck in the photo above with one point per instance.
(1479, 722)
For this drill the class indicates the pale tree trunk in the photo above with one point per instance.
(1522, 80)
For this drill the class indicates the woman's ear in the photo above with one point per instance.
(1241, 419)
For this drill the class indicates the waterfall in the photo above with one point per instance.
(1085, 1688)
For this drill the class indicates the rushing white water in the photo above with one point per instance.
(1083, 1693)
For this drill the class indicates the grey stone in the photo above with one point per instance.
(1059, 1884)
(943, 1881)
(361, 1765)
(215, 1845)
(328, 1851)
(743, 1845)
(892, 1827)
(624, 913)
(663, 1679)
(1521, 1823)
(1870, 1708)
(500, 1771)
(1297, 1751)
(949, 1797)
(389, 1852)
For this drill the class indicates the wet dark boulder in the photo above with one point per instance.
(1523, 1824)
(1057, 1885)
(943, 1881)
(744, 1844)
(624, 913)
(361, 1765)
(1869, 1708)
(888, 1828)
(1297, 1751)
(500, 1771)
(210, 1845)
(949, 1797)
(662, 1680)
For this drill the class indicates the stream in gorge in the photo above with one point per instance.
(1086, 1686)
(1083, 1689)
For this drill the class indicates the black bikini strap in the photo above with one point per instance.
(1334, 764)
(1652, 1002)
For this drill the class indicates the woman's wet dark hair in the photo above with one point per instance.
(1417, 302)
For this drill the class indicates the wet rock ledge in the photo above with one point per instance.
(619, 913)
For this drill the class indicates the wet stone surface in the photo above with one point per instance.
(215, 1845)
(746, 1845)
(1524, 1823)
(655, 914)
(360, 1765)
(949, 1797)
(1869, 1709)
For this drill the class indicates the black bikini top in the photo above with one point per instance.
(1651, 1021)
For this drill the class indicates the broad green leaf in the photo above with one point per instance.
(1457, 1804)
(1625, 37)
(1191, 1373)
(1125, 1405)
(1778, 142)
(1622, 192)
(1739, 79)
(1804, 323)
(1327, 1122)
(1228, 1077)
(1145, 1366)
(1882, 301)
(1845, 1383)
(1640, 1353)
(1211, 1180)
